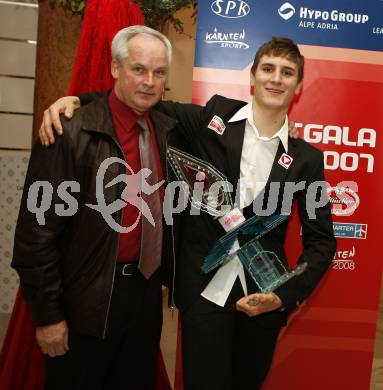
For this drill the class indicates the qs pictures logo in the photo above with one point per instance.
(286, 11)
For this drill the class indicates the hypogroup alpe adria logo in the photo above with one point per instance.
(324, 19)
(230, 8)
(286, 11)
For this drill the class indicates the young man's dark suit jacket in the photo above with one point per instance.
(196, 234)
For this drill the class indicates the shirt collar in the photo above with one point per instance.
(122, 112)
(246, 112)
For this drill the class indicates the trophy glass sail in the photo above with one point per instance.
(209, 189)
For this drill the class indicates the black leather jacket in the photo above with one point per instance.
(66, 266)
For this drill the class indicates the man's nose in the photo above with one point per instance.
(149, 79)
(277, 76)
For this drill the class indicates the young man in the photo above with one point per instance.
(228, 343)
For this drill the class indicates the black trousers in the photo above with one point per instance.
(224, 349)
(127, 357)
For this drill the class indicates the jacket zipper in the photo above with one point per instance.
(172, 300)
(116, 254)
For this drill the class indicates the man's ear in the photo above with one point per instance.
(251, 79)
(251, 83)
(298, 88)
(115, 69)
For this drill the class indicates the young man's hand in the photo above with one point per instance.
(65, 105)
(255, 304)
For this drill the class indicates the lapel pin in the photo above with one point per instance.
(285, 160)
(217, 125)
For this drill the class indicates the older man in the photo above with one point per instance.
(90, 270)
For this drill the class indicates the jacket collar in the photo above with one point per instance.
(163, 124)
(278, 172)
(98, 118)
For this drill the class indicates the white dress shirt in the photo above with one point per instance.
(258, 154)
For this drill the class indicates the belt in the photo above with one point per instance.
(127, 269)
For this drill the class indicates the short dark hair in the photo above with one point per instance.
(281, 47)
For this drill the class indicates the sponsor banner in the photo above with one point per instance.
(350, 230)
(338, 112)
(344, 199)
(344, 259)
(228, 26)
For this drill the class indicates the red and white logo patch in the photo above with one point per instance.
(217, 125)
(285, 160)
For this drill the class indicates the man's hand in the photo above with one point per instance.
(53, 339)
(256, 304)
(65, 105)
(293, 131)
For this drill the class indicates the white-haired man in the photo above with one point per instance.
(95, 289)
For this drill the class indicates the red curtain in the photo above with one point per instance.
(22, 364)
(102, 19)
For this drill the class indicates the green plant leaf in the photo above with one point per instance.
(156, 12)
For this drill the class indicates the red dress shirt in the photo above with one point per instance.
(127, 131)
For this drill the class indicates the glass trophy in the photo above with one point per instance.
(265, 268)
(213, 191)
(209, 189)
